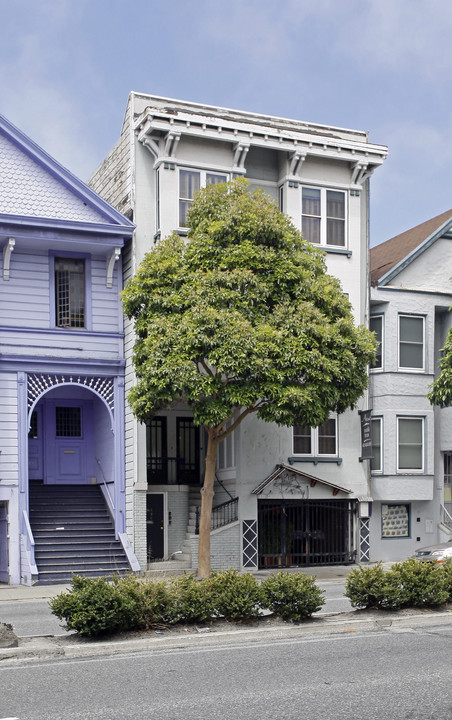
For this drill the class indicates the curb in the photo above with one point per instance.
(52, 648)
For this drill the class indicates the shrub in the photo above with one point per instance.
(406, 584)
(236, 597)
(154, 602)
(447, 574)
(191, 599)
(365, 586)
(291, 596)
(96, 606)
(421, 584)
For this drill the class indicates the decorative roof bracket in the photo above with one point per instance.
(361, 173)
(172, 141)
(7, 250)
(111, 260)
(296, 160)
(240, 153)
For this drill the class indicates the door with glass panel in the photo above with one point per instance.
(68, 440)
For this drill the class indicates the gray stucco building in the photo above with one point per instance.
(288, 496)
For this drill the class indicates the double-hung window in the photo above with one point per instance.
(70, 306)
(376, 326)
(410, 444)
(190, 181)
(376, 435)
(323, 216)
(319, 441)
(411, 342)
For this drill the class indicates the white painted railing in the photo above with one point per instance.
(30, 544)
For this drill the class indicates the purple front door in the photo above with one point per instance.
(68, 441)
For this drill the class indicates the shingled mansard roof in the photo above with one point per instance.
(395, 254)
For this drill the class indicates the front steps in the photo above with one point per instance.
(73, 533)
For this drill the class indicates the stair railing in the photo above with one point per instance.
(445, 517)
(110, 499)
(222, 515)
(29, 543)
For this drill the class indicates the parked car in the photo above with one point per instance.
(435, 553)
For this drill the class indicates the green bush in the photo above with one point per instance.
(191, 599)
(447, 573)
(364, 586)
(236, 597)
(406, 584)
(421, 584)
(291, 596)
(96, 606)
(154, 601)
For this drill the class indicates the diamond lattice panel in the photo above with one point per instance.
(27, 189)
(249, 529)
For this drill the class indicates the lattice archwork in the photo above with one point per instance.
(39, 384)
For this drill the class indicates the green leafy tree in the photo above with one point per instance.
(441, 390)
(242, 319)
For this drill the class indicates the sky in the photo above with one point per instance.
(385, 66)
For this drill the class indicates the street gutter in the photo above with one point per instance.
(188, 638)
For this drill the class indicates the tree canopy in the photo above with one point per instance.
(441, 390)
(240, 318)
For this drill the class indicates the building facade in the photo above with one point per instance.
(62, 477)
(412, 440)
(284, 496)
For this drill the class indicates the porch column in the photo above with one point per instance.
(119, 474)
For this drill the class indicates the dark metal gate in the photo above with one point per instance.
(306, 532)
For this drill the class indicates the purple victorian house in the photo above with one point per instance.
(62, 487)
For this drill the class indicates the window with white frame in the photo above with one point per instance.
(226, 452)
(323, 216)
(376, 326)
(69, 292)
(410, 444)
(395, 521)
(376, 435)
(190, 181)
(319, 441)
(411, 342)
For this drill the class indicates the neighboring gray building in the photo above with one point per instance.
(288, 496)
(412, 441)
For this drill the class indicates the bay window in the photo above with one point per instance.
(411, 342)
(410, 444)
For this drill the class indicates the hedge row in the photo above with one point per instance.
(406, 584)
(96, 606)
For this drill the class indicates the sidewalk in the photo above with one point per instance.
(35, 592)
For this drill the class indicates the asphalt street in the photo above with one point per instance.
(385, 674)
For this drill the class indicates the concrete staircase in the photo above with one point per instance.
(74, 533)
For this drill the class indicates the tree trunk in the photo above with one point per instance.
(207, 494)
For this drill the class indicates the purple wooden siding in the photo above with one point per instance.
(25, 299)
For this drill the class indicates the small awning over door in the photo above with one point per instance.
(281, 469)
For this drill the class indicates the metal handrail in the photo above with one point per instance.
(222, 515)
(110, 499)
(445, 516)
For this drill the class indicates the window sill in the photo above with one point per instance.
(335, 250)
(314, 460)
